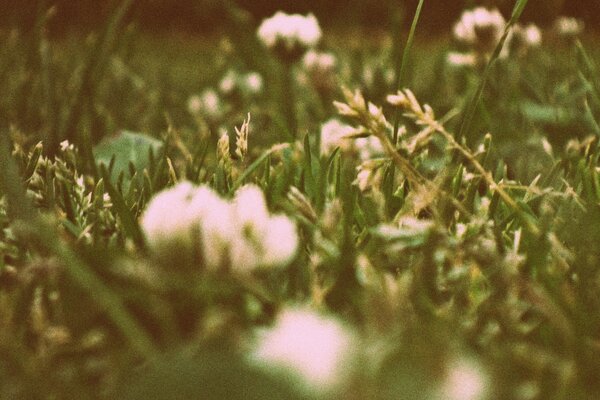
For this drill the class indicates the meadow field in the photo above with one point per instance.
(283, 209)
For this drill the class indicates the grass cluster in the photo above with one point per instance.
(471, 238)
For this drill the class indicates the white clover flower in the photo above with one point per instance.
(523, 38)
(262, 240)
(465, 381)
(480, 28)
(65, 145)
(228, 82)
(290, 33)
(240, 233)
(280, 241)
(319, 61)
(169, 218)
(216, 225)
(254, 82)
(194, 104)
(461, 59)
(533, 35)
(568, 27)
(333, 134)
(368, 148)
(317, 349)
(207, 103)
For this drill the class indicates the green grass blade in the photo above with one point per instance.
(473, 104)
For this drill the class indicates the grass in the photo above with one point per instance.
(464, 244)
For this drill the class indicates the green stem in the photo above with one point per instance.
(288, 101)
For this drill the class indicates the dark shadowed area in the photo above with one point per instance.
(207, 15)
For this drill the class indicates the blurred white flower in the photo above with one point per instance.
(254, 82)
(240, 233)
(368, 148)
(317, 349)
(533, 35)
(461, 59)
(216, 225)
(168, 217)
(262, 240)
(523, 38)
(314, 60)
(290, 33)
(333, 134)
(480, 28)
(568, 27)
(208, 103)
(465, 381)
(228, 82)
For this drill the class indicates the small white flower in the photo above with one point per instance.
(262, 240)
(290, 31)
(254, 82)
(317, 349)
(168, 217)
(280, 241)
(228, 82)
(207, 103)
(314, 60)
(368, 148)
(216, 224)
(461, 59)
(65, 145)
(480, 28)
(333, 134)
(533, 35)
(465, 381)
(568, 26)
(194, 104)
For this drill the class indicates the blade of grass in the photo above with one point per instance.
(472, 105)
(130, 224)
(402, 62)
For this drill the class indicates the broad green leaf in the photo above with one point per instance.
(126, 148)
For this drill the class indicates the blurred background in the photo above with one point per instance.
(199, 16)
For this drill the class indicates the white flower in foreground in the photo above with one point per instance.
(217, 226)
(262, 240)
(333, 134)
(568, 27)
(465, 381)
(480, 28)
(290, 33)
(239, 233)
(169, 218)
(317, 349)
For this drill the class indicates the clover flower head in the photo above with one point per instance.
(262, 239)
(290, 35)
(465, 381)
(458, 59)
(568, 27)
(523, 38)
(333, 134)
(480, 28)
(208, 103)
(319, 61)
(315, 348)
(254, 82)
(368, 148)
(168, 216)
(239, 233)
